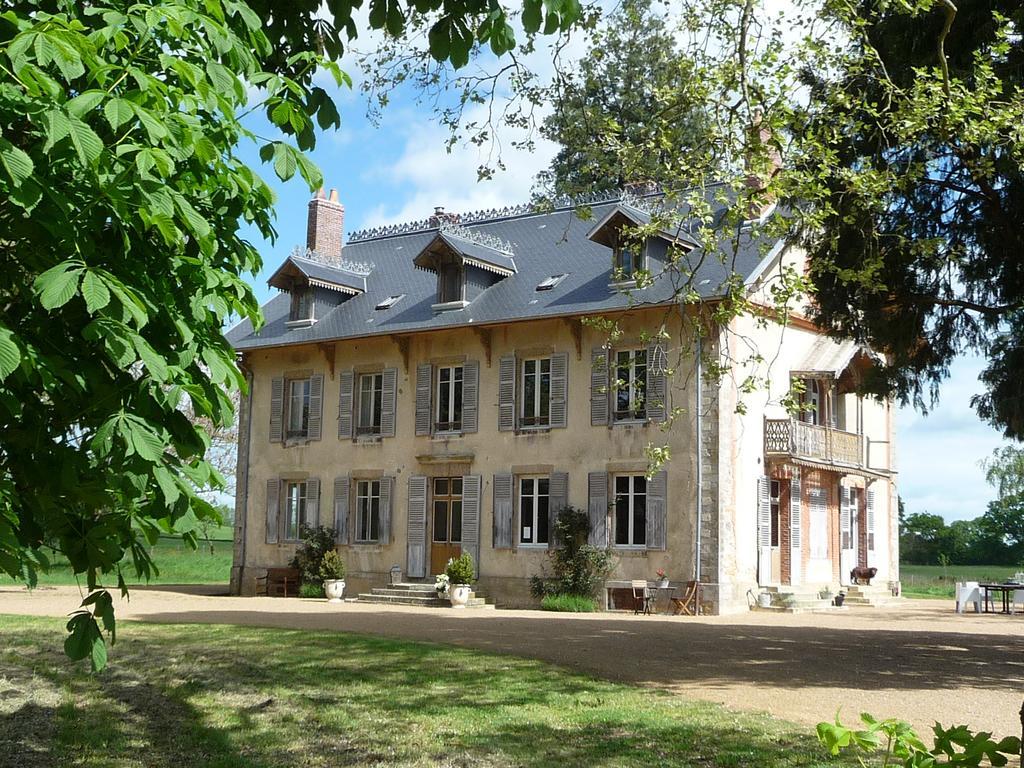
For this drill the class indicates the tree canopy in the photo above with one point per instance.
(122, 197)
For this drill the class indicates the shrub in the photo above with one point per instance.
(568, 604)
(460, 569)
(579, 569)
(893, 742)
(316, 542)
(332, 566)
(311, 590)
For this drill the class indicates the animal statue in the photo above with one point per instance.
(863, 575)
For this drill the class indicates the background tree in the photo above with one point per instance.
(605, 111)
(121, 200)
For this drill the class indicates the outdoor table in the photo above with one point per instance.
(1005, 589)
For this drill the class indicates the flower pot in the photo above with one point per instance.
(663, 584)
(459, 594)
(334, 589)
(837, 601)
(764, 600)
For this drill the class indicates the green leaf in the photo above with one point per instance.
(95, 292)
(57, 127)
(57, 285)
(87, 143)
(18, 165)
(284, 161)
(154, 362)
(84, 102)
(118, 111)
(10, 355)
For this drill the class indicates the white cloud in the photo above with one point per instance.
(938, 453)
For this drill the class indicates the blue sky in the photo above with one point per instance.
(398, 171)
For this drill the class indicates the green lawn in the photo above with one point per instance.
(224, 696)
(936, 581)
(178, 564)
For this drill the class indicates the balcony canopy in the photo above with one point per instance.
(830, 358)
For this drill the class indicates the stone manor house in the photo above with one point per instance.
(437, 387)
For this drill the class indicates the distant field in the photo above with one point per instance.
(177, 563)
(936, 581)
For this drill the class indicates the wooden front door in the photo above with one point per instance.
(445, 522)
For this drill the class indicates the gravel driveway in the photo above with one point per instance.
(920, 662)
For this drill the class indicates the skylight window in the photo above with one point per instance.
(390, 301)
(549, 283)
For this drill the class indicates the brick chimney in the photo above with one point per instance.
(325, 227)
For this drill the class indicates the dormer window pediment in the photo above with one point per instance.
(465, 262)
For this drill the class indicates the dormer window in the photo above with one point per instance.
(450, 283)
(302, 305)
(628, 261)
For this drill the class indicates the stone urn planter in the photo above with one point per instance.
(334, 589)
(458, 595)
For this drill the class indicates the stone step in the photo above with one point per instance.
(403, 592)
(423, 602)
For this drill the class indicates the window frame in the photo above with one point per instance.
(775, 510)
(365, 497)
(632, 495)
(302, 500)
(633, 414)
(459, 282)
(534, 420)
(452, 426)
(376, 394)
(303, 433)
(535, 496)
(638, 258)
(449, 499)
(302, 298)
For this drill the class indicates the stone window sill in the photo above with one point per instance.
(307, 323)
(449, 306)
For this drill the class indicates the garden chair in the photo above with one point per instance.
(1015, 599)
(968, 592)
(278, 582)
(689, 603)
(643, 600)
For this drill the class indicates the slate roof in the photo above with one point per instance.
(329, 277)
(544, 244)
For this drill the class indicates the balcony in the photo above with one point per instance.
(825, 445)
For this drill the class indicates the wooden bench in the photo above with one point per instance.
(278, 582)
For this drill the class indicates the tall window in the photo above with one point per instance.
(294, 509)
(298, 408)
(536, 409)
(449, 399)
(367, 510)
(447, 510)
(818, 499)
(449, 283)
(812, 408)
(371, 403)
(302, 304)
(628, 260)
(533, 510)
(630, 510)
(631, 376)
(774, 495)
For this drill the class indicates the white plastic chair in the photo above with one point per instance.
(1018, 597)
(968, 592)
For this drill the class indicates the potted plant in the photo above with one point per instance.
(441, 585)
(460, 577)
(332, 571)
(662, 578)
(764, 599)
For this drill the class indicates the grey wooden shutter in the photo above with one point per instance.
(599, 386)
(424, 378)
(502, 537)
(559, 389)
(341, 524)
(277, 409)
(558, 498)
(470, 395)
(657, 523)
(387, 483)
(764, 513)
(389, 394)
(346, 387)
(655, 391)
(845, 519)
(871, 519)
(471, 518)
(507, 393)
(316, 406)
(597, 508)
(312, 502)
(273, 509)
(795, 528)
(416, 565)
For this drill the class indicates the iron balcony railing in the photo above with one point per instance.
(809, 441)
